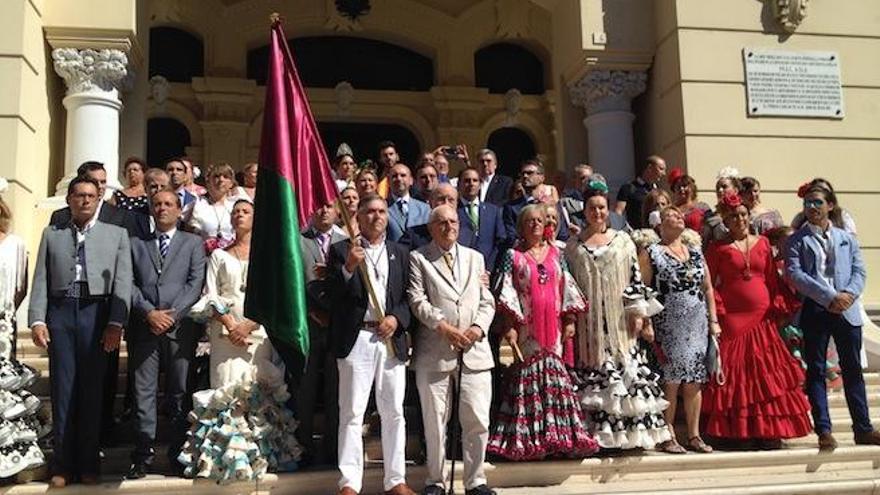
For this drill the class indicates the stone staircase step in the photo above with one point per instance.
(787, 471)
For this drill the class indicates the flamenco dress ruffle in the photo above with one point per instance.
(539, 414)
(762, 397)
(240, 432)
(20, 425)
(623, 402)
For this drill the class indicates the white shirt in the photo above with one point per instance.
(376, 264)
(213, 219)
(484, 186)
(456, 263)
(79, 270)
(825, 261)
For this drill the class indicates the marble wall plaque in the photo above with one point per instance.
(793, 84)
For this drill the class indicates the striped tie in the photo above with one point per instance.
(164, 242)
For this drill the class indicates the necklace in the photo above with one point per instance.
(219, 216)
(375, 261)
(746, 254)
(242, 268)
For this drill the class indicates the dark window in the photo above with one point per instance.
(175, 54)
(511, 146)
(325, 61)
(166, 138)
(363, 139)
(504, 66)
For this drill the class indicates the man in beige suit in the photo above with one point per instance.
(454, 309)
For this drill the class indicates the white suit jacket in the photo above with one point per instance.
(435, 296)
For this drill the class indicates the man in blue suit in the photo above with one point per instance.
(480, 223)
(825, 265)
(177, 173)
(404, 211)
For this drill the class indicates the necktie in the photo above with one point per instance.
(164, 242)
(474, 215)
(324, 244)
(447, 257)
(404, 211)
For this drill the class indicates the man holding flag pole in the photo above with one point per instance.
(294, 180)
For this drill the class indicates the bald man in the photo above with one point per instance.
(418, 236)
(454, 310)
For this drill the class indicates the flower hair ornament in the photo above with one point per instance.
(674, 175)
(197, 172)
(731, 200)
(802, 190)
(4, 185)
(727, 173)
(597, 185)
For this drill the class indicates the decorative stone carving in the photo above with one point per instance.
(159, 89)
(512, 105)
(344, 97)
(85, 70)
(513, 18)
(166, 10)
(338, 22)
(789, 13)
(606, 90)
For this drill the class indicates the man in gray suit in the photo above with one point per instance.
(321, 372)
(454, 308)
(79, 303)
(169, 270)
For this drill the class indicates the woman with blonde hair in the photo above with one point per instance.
(211, 215)
(19, 425)
(678, 272)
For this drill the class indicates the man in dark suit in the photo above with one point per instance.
(107, 213)
(494, 187)
(169, 271)
(359, 334)
(320, 377)
(531, 176)
(480, 224)
(142, 225)
(79, 303)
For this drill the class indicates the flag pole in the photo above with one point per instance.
(362, 268)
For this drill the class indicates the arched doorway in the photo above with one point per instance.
(166, 139)
(511, 145)
(175, 54)
(363, 139)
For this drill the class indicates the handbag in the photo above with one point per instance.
(713, 361)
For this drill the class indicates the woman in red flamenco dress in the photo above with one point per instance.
(762, 399)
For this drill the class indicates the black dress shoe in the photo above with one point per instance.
(480, 490)
(137, 471)
(433, 490)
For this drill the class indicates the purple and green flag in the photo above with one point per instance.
(293, 181)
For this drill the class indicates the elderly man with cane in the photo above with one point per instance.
(454, 308)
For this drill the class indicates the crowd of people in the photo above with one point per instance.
(611, 309)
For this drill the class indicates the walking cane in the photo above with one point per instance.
(456, 427)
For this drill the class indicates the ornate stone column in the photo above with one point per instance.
(93, 107)
(606, 95)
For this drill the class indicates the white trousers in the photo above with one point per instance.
(435, 395)
(367, 365)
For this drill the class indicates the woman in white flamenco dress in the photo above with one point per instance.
(241, 428)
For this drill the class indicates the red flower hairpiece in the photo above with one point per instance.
(802, 191)
(731, 200)
(674, 175)
(549, 233)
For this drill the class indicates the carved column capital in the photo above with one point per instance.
(87, 69)
(607, 90)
